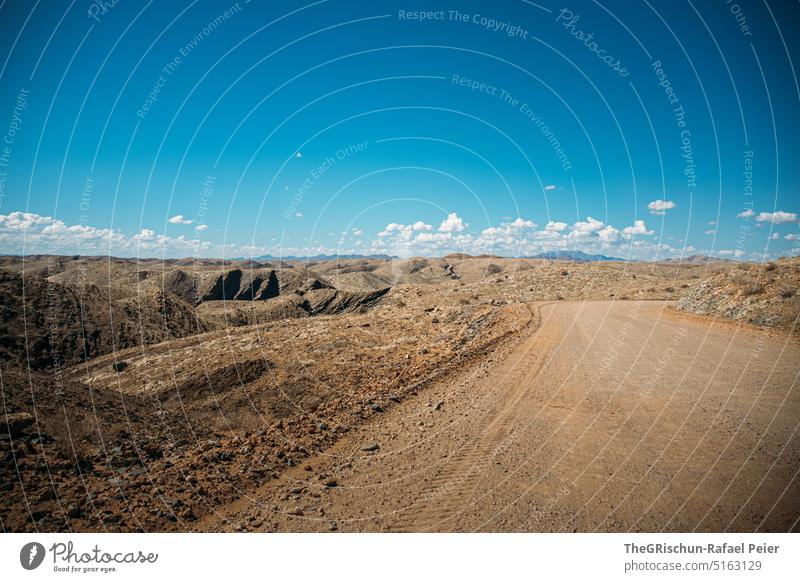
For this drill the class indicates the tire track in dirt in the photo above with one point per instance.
(452, 488)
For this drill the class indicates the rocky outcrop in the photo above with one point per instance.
(232, 284)
(300, 281)
(332, 301)
(758, 294)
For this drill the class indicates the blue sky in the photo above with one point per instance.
(641, 130)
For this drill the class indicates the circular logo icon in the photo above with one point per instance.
(31, 555)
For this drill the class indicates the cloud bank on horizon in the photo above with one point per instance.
(30, 233)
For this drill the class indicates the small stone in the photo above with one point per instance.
(74, 511)
(376, 407)
(330, 482)
(188, 514)
(19, 422)
(47, 495)
(370, 447)
(439, 405)
(296, 511)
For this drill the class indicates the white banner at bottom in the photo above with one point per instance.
(373, 557)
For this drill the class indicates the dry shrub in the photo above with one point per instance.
(754, 289)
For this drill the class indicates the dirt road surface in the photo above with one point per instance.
(609, 416)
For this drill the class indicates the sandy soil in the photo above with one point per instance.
(604, 416)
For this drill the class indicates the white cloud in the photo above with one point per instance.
(507, 235)
(179, 219)
(357, 232)
(25, 220)
(774, 236)
(298, 155)
(552, 226)
(792, 237)
(404, 231)
(520, 223)
(201, 227)
(710, 232)
(521, 237)
(550, 187)
(661, 206)
(146, 234)
(298, 215)
(746, 214)
(584, 229)
(419, 225)
(779, 217)
(45, 234)
(555, 226)
(452, 223)
(638, 227)
(712, 223)
(608, 234)
(437, 237)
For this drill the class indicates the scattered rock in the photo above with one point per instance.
(18, 423)
(47, 495)
(370, 447)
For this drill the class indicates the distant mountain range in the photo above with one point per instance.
(577, 256)
(571, 255)
(697, 259)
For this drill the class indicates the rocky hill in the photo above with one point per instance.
(46, 324)
(759, 294)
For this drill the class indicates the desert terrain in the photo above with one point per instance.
(427, 394)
